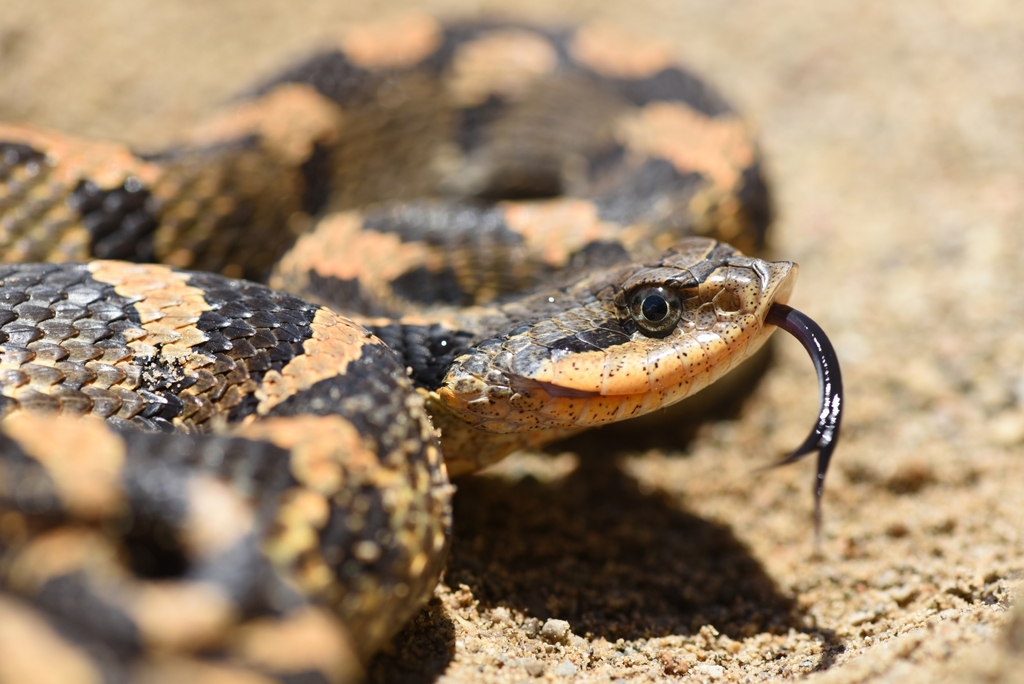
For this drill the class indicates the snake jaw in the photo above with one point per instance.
(591, 364)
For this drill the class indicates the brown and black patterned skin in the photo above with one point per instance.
(205, 477)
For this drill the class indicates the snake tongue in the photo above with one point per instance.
(825, 433)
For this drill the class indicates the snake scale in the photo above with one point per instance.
(475, 237)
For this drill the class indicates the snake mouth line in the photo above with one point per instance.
(825, 434)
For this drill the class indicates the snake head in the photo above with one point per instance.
(621, 343)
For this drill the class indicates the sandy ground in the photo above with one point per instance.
(894, 134)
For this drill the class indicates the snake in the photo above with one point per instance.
(237, 372)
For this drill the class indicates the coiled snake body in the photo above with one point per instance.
(204, 476)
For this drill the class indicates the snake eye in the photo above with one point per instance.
(655, 310)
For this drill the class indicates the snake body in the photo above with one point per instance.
(503, 232)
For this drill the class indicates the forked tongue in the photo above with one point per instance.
(825, 433)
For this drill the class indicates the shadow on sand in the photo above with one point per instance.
(596, 550)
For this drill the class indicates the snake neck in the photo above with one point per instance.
(467, 448)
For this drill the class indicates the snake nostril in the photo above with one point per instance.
(727, 301)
